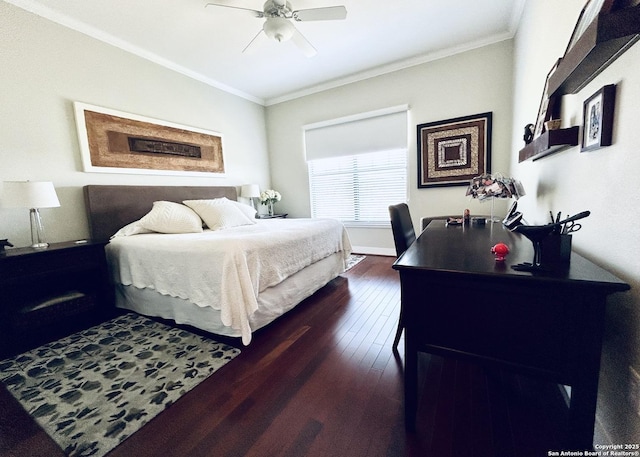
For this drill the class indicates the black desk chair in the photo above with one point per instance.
(403, 236)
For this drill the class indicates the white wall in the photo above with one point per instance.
(604, 181)
(470, 83)
(45, 67)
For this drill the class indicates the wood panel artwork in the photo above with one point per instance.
(121, 143)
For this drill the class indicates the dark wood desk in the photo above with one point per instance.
(458, 301)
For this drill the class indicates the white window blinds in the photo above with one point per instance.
(381, 130)
(358, 189)
(358, 168)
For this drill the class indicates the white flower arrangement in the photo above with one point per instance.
(269, 196)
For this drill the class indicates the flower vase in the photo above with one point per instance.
(270, 208)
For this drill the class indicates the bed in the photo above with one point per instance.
(229, 281)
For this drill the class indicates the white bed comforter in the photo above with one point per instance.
(225, 269)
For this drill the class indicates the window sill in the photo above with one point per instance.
(375, 225)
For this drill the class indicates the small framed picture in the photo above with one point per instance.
(597, 127)
(549, 106)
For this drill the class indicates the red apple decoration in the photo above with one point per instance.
(500, 250)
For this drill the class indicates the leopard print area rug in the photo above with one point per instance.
(93, 389)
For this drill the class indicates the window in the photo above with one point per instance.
(359, 188)
(358, 166)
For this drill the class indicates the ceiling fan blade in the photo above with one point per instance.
(303, 44)
(254, 13)
(329, 13)
(255, 43)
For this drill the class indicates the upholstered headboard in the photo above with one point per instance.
(109, 208)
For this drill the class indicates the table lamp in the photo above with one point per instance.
(32, 195)
(488, 186)
(250, 191)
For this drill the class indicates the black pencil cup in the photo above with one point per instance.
(555, 249)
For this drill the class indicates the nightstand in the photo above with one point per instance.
(50, 293)
(275, 216)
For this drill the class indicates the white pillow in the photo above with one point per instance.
(170, 217)
(246, 209)
(219, 213)
(131, 229)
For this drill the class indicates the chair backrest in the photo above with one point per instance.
(402, 227)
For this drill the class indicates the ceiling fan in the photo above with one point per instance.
(278, 25)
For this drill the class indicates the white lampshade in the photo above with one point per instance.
(32, 195)
(29, 194)
(250, 191)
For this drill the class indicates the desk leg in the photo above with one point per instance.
(410, 381)
(582, 411)
(584, 392)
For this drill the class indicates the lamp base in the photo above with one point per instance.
(493, 219)
(37, 230)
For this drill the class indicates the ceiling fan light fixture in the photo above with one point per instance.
(278, 25)
(278, 29)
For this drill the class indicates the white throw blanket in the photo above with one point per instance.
(225, 269)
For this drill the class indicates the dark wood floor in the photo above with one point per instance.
(323, 381)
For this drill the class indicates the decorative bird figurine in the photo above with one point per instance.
(537, 233)
(3, 244)
(528, 133)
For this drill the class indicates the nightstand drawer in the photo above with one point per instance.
(49, 311)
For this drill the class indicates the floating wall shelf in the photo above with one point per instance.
(604, 40)
(549, 142)
(607, 37)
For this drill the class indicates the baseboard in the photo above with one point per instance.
(373, 251)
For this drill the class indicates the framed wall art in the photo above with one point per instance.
(116, 142)
(453, 151)
(597, 126)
